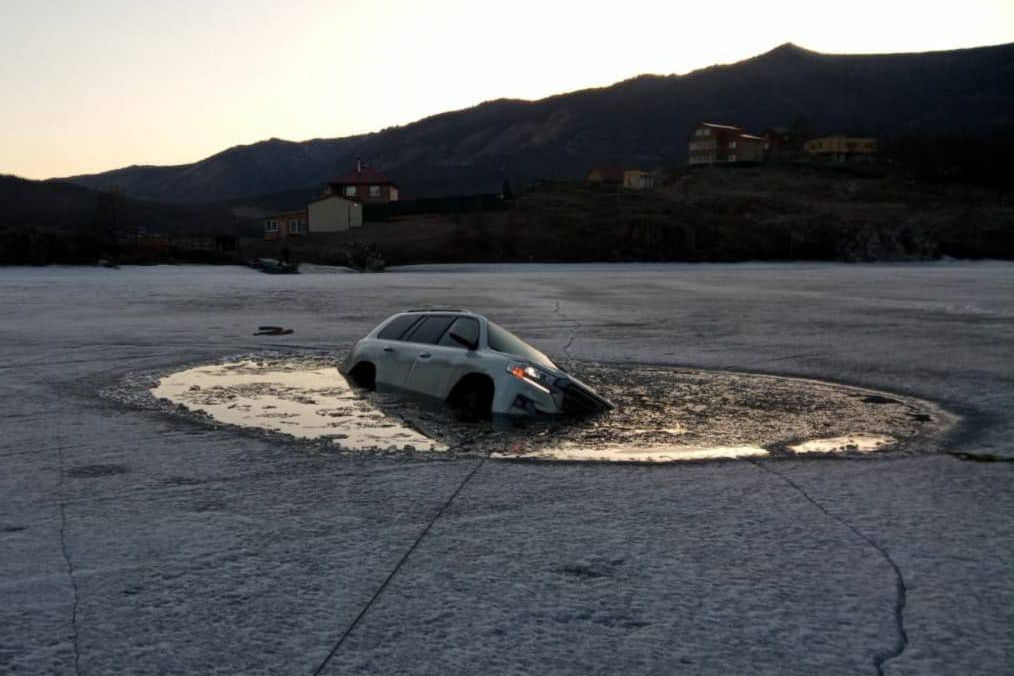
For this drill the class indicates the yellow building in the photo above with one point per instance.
(631, 179)
(843, 148)
(638, 179)
(606, 176)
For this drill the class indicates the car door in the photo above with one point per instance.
(420, 343)
(395, 357)
(442, 359)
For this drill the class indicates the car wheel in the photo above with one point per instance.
(364, 375)
(473, 397)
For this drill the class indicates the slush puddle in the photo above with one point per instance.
(862, 443)
(650, 454)
(309, 402)
(308, 398)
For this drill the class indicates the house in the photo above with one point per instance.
(747, 148)
(364, 185)
(285, 225)
(712, 143)
(843, 149)
(638, 179)
(332, 213)
(605, 176)
(783, 142)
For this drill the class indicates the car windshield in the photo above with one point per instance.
(502, 340)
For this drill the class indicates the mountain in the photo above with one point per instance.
(56, 206)
(959, 94)
(258, 169)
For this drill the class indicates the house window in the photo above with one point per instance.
(732, 144)
(271, 226)
(294, 227)
(350, 191)
(732, 157)
(374, 191)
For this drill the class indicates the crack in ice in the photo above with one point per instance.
(397, 567)
(70, 566)
(789, 357)
(979, 457)
(901, 590)
(572, 335)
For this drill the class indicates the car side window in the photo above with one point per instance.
(466, 327)
(429, 330)
(397, 328)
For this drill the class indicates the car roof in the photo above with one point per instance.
(455, 312)
(440, 309)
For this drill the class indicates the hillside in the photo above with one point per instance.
(65, 207)
(967, 95)
(51, 204)
(788, 212)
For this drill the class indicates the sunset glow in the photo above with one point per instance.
(109, 83)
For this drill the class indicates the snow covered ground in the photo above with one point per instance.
(133, 541)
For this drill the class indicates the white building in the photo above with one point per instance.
(334, 214)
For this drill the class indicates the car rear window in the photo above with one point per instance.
(429, 330)
(466, 327)
(397, 327)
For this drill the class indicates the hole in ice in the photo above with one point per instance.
(662, 415)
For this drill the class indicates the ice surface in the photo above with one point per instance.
(210, 552)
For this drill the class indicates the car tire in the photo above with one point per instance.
(473, 397)
(364, 374)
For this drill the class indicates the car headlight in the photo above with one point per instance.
(532, 375)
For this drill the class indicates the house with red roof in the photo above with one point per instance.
(712, 143)
(365, 185)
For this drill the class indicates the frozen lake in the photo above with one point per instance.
(133, 540)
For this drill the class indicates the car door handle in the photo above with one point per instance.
(388, 349)
(425, 355)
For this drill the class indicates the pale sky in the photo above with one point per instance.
(100, 84)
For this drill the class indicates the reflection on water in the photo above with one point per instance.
(305, 401)
(650, 454)
(862, 443)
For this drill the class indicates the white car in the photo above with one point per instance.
(464, 359)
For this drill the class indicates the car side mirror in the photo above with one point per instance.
(465, 342)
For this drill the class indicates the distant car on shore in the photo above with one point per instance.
(471, 363)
